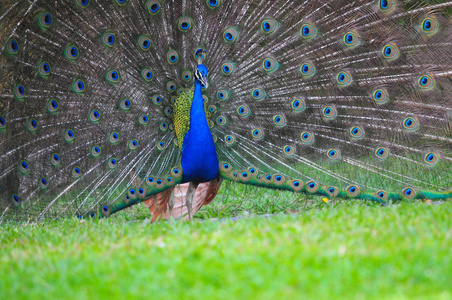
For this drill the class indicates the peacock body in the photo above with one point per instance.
(108, 103)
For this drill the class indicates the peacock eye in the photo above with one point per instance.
(308, 31)
(230, 35)
(153, 6)
(185, 24)
(307, 70)
(82, 3)
(213, 3)
(387, 6)
(390, 52)
(228, 68)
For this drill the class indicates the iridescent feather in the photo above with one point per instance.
(336, 98)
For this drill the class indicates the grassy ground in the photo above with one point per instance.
(310, 248)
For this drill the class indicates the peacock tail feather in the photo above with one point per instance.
(339, 98)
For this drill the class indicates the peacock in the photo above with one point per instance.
(110, 103)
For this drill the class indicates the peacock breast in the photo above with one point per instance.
(194, 138)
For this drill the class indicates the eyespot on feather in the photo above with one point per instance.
(168, 111)
(43, 183)
(383, 195)
(222, 120)
(344, 78)
(270, 65)
(278, 179)
(243, 111)
(69, 135)
(96, 151)
(55, 159)
(289, 150)
(269, 26)
(153, 7)
(390, 52)
(133, 144)
(351, 39)
(112, 76)
(312, 186)
(172, 57)
(229, 140)
(94, 116)
(409, 193)
(156, 99)
(2, 123)
(76, 172)
(187, 75)
(257, 133)
(431, 158)
(380, 96)
(298, 105)
(357, 132)
(113, 138)
(307, 137)
(121, 2)
(258, 94)
(426, 82)
(144, 42)
(332, 191)
(171, 86)
(386, 6)
(82, 3)
(214, 4)
(333, 154)
(108, 38)
(225, 167)
(19, 92)
(279, 121)
(228, 68)
(382, 152)
(12, 47)
(78, 86)
(430, 26)
(222, 95)
(410, 124)
(32, 125)
(71, 52)
(24, 167)
(125, 104)
(147, 74)
(143, 119)
(296, 185)
(329, 112)
(308, 31)
(44, 69)
(185, 24)
(307, 70)
(352, 190)
(230, 35)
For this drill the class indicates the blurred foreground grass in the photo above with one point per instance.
(310, 248)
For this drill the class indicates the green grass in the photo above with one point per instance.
(347, 249)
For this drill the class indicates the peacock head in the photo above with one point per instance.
(201, 75)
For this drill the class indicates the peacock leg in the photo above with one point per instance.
(189, 198)
(171, 204)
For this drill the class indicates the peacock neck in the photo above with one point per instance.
(197, 107)
(199, 158)
(199, 128)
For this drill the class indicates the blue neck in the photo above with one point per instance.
(199, 158)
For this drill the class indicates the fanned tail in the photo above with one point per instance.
(339, 98)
